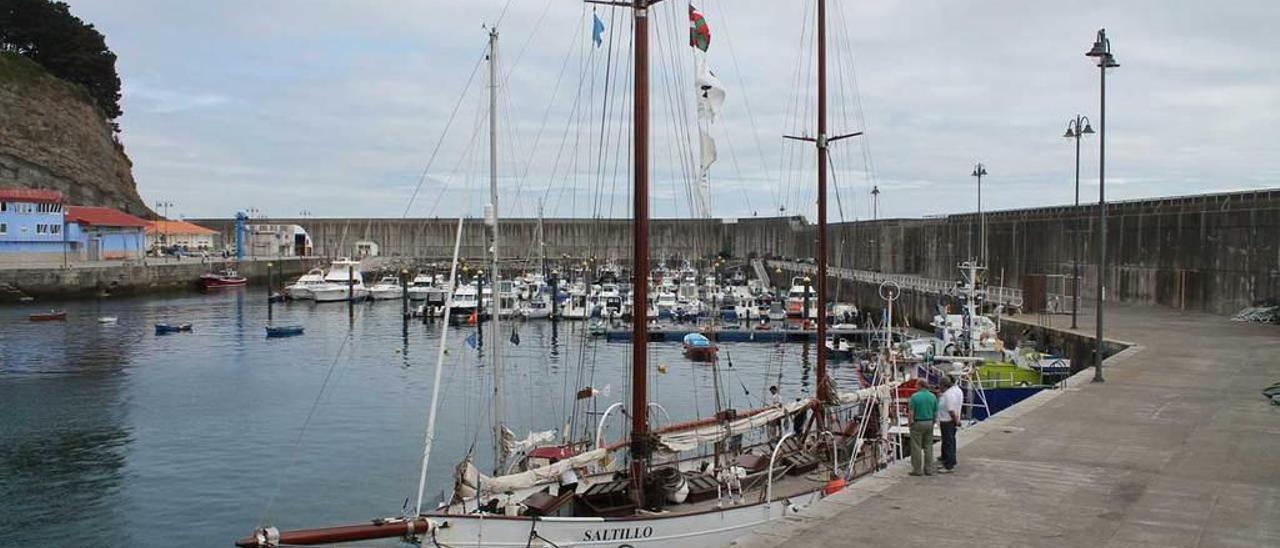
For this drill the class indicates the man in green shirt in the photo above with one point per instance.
(922, 412)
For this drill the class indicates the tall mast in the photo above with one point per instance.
(640, 256)
(823, 382)
(495, 313)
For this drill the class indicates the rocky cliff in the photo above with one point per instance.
(53, 136)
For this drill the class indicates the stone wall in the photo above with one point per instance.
(122, 279)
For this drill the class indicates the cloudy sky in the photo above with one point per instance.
(337, 108)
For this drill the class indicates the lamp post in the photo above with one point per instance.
(978, 171)
(164, 236)
(875, 202)
(1076, 128)
(1102, 50)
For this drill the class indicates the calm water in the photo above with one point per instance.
(111, 435)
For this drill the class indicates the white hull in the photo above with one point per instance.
(299, 293)
(699, 530)
(418, 293)
(337, 294)
(386, 294)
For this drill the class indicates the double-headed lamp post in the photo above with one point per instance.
(164, 235)
(978, 171)
(1076, 128)
(1102, 50)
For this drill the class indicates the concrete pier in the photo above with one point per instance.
(1177, 448)
(132, 277)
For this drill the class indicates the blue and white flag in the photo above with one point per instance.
(471, 340)
(597, 30)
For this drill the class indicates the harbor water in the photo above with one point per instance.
(111, 435)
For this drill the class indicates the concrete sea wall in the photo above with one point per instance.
(122, 279)
(1214, 252)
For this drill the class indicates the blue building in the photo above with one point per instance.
(102, 233)
(32, 226)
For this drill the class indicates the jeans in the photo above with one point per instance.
(948, 445)
(922, 447)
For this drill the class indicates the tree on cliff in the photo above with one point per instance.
(67, 47)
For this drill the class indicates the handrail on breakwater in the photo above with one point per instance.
(1007, 296)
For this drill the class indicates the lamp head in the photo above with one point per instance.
(1069, 134)
(1101, 46)
(1088, 129)
(1108, 61)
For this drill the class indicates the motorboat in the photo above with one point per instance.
(388, 288)
(167, 328)
(699, 348)
(800, 297)
(343, 282)
(50, 316)
(466, 300)
(227, 277)
(284, 331)
(421, 286)
(300, 290)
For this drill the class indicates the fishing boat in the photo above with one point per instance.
(672, 489)
(165, 328)
(300, 290)
(699, 348)
(50, 316)
(388, 288)
(227, 277)
(284, 331)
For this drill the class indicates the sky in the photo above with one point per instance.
(378, 108)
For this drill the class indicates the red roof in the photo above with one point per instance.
(35, 195)
(102, 216)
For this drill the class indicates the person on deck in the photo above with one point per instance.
(949, 406)
(922, 412)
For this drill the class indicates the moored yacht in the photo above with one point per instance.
(301, 289)
(343, 282)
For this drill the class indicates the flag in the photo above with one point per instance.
(699, 32)
(515, 338)
(472, 340)
(710, 100)
(597, 30)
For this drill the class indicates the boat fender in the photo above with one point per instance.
(834, 486)
(267, 536)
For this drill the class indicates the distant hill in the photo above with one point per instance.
(55, 136)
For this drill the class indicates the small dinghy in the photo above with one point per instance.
(284, 331)
(50, 316)
(165, 328)
(107, 319)
(699, 348)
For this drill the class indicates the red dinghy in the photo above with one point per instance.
(50, 316)
(226, 278)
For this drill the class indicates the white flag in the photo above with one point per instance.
(710, 100)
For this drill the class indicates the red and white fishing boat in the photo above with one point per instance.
(227, 277)
(666, 487)
(50, 316)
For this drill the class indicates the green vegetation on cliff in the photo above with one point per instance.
(46, 32)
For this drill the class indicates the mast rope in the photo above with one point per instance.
(431, 159)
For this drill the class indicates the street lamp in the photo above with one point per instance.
(1102, 50)
(1076, 128)
(978, 171)
(164, 236)
(875, 202)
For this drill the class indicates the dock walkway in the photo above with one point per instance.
(1177, 448)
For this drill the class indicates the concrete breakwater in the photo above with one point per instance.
(1213, 252)
(84, 280)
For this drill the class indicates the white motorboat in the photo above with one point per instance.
(387, 289)
(343, 282)
(466, 299)
(421, 286)
(799, 297)
(300, 290)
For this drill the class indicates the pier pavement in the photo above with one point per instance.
(1177, 448)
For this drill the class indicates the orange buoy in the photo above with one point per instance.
(834, 486)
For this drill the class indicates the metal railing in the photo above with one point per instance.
(1007, 296)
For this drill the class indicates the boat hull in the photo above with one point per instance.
(334, 294)
(697, 530)
(387, 294)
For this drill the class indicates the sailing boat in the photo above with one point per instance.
(660, 498)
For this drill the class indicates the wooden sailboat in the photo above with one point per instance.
(659, 498)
